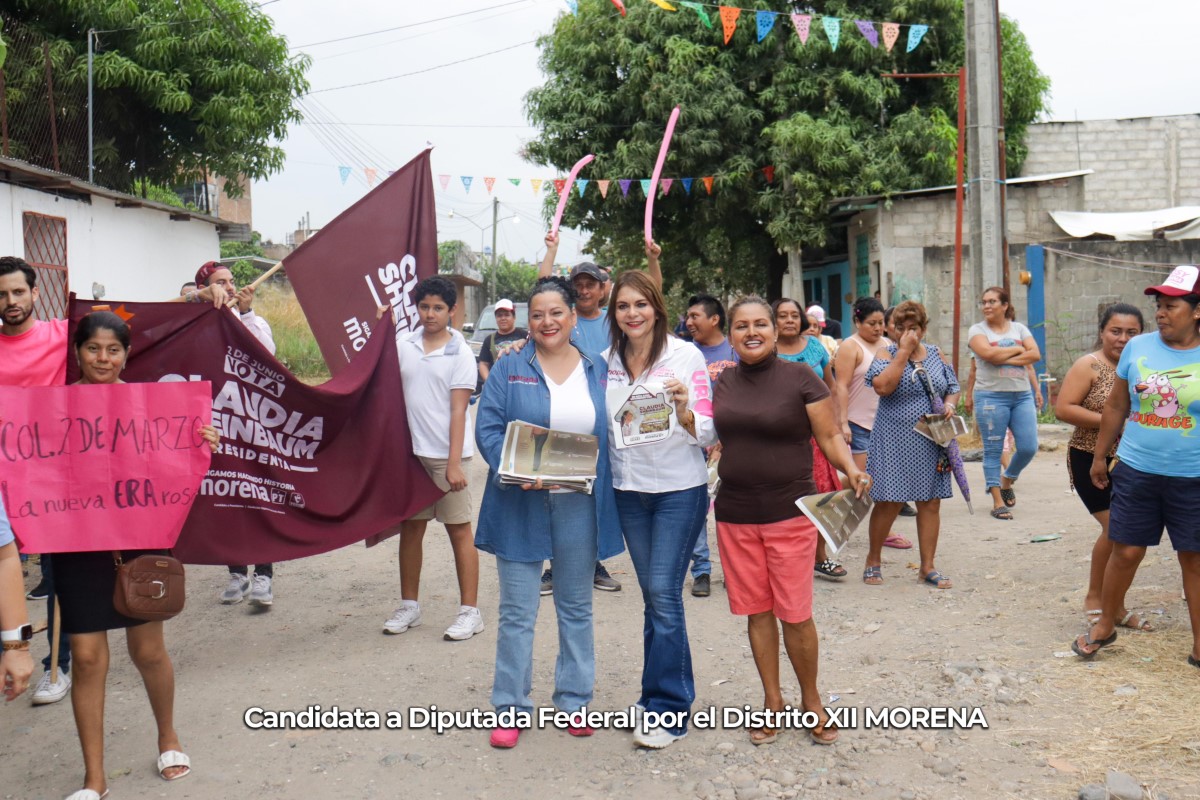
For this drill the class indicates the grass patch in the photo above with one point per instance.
(294, 342)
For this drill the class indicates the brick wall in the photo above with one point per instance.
(1140, 164)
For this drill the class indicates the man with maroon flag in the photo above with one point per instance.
(214, 282)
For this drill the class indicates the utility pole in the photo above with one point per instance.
(495, 228)
(985, 131)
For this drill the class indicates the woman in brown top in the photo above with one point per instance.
(767, 412)
(1080, 402)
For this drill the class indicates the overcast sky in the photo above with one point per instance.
(1105, 60)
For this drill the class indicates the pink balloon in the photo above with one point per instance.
(566, 191)
(662, 157)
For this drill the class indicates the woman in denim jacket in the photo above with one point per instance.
(556, 385)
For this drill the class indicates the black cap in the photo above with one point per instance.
(589, 269)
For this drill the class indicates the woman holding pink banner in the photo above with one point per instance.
(85, 583)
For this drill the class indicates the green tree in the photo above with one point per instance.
(182, 87)
(824, 119)
(244, 272)
(512, 279)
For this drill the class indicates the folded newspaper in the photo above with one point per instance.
(836, 514)
(558, 458)
(940, 429)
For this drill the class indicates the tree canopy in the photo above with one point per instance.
(825, 120)
(182, 87)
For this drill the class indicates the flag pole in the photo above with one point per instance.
(257, 282)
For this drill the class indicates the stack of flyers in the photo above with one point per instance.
(558, 458)
(836, 514)
(940, 429)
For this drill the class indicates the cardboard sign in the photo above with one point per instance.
(102, 467)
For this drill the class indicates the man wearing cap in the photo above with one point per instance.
(34, 353)
(829, 327)
(215, 282)
(506, 333)
(1156, 481)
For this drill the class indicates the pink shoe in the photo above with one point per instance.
(898, 542)
(505, 737)
(584, 731)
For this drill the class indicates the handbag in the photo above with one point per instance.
(150, 587)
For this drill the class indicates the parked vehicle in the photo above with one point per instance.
(487, 324)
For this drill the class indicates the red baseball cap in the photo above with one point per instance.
(1185, 279)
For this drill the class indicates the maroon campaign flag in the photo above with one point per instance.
(105, 467)
(373, 254)
(301, 469)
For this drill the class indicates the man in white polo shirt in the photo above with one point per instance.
(437, 369)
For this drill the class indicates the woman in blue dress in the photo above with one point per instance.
(905, 466)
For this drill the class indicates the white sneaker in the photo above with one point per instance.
(656, 738)
(49, 691)
(468, 623)
(260, 591)
(408, 615)
(239, 587)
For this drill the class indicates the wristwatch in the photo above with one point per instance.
(17, 638)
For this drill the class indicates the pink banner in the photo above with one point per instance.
(564, 191)
(662, 157)
(111, 467)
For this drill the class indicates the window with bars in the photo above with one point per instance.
(46, 251)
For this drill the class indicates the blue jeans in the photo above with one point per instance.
(660, 533)
(701, 555)
(996, 413)
(573, 547)
(64, 641)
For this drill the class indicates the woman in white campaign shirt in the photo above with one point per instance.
(661, 485)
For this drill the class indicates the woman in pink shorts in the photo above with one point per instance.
(767, 412)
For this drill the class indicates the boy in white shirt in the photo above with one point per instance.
(437, 369)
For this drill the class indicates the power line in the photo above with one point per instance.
(427, 69)
(409, 25)
(417, 125)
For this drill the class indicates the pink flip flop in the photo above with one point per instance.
(898, 542)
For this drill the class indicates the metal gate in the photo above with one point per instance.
(46, 251)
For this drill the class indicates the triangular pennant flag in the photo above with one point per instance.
(666, 184)
(708, 183)
(559, 183)
(603, 188)
(765, 21)
(536, 183)
(620, 6)
(770, 173)
(663, 4)
(370, 173)
(515, 181)
(699, 9)
(891, 32)
(624, 186)
(915, 34)
(466, 182)
(444, 180)
(729, 21)
(574, 6)
(687, 185)
(833, 29)
(581, 185)
(867, 29)
(345, 173)
(645, 182)
(489, 183)
(802, 22)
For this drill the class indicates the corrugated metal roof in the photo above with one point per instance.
(21, 173)
(858, 203)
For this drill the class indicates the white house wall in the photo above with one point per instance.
(135, 253)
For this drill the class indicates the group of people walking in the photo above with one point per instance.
(781, 412)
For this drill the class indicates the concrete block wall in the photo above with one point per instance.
(1140, 164)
